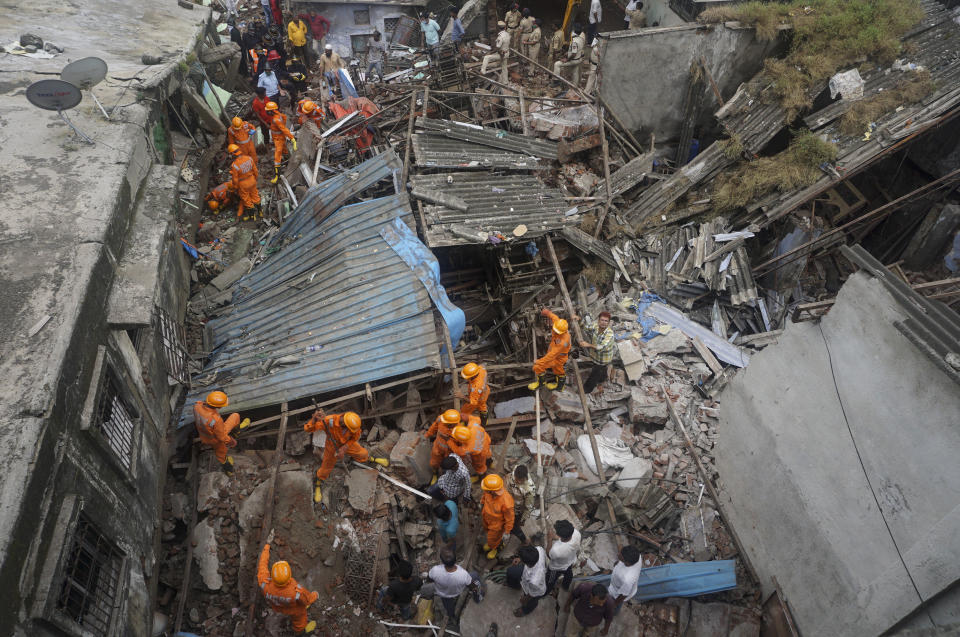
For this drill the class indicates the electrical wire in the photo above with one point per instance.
(866, 475)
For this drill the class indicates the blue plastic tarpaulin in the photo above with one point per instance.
(686, 579)
(346, 84)
(647, 322)
(405, 243)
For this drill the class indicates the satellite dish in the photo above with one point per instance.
(53, 95)
(85, 73)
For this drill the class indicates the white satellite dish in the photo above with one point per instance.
(56, 95)
(86, 73)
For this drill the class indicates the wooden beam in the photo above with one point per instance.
(406, 150)
(502, 457)
(454, 376)
(606, 178)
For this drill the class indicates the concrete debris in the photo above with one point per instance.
(205, 537)
(362, 487)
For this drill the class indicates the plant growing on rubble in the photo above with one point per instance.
(795, 167)
(827, 36)
(732, 148)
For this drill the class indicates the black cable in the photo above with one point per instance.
(867, 476)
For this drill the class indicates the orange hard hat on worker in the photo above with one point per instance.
(237, 122)
(470, 370)
(492, 482)
(217, 399)
(308, 106)
(450, 416)
(271, 106)
(461, 433)
(233, 149)
(352, 421)
(560, 326)
(280, 573)
(213, 204)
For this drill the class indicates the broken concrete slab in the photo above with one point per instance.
(362, 486)
(672, 342)
(296, 442)
(411, 458)
(208, 493)
(633, 472)
(498, 606)
(508, 408)
(179, 506)
(632, 357)
(647, 408)
(232, 274)
(205, 553)
(564, 405)
(559, 511)
(699, 532)
(604, 551)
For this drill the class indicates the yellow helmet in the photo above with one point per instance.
(470, 370)
(213, 204)
(280, 573)
(450, 416)
(237, 122)
(217, 399)
(492, 482)
(560, 326)
(461, 433)
(308, 106)
(271, 106)
(352, 421)
(233, 149)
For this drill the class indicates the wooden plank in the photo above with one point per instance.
(454, 376)
(707, 356)
(502, 457)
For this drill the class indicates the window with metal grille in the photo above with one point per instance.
(172, 337)
(91, 579)
(115, 419)
(389, 24)
(361, 16)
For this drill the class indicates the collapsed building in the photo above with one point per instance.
(757, 415)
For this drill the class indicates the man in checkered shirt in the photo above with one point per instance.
(455, 481)
(599, 348)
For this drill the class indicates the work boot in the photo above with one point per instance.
(561, 381)
(317, 490)
(433, 480)
(227, 467)
(492, 554)
(552, 385)
(259, 209)
(309, 628)
(383, 462)
(486, 547)
(537, 382)
(244, 423)
(483, 418)
(276, 175)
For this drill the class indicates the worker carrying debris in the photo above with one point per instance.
(279, 133)
(556, 357)
(283, 593)
(343, 432)
(440, 431)
(220, 196)
(496, 513)
(243, 175)
(214, 431)
(307, 111)
(243, 134)
(476, 375)
(472, 441)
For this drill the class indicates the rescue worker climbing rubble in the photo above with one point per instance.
(476, 375)
(440, 431)
(307, 111)
(283, 593)
(279, 133)
(556, 356)
(472, 442)
(214, 431)
(243, 175)
(243, 133)
(496, 513)
(343, 432)
(220, 196)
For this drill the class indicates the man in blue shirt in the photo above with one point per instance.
(431, 32)
(456, 30)
(447, 522)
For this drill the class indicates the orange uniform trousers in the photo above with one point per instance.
(213, 431)
(557, 351)
(244, 173)
(279, 133)
(291, 599)
(496, 512)
(479, 392)
(440, 449)
(338, 437)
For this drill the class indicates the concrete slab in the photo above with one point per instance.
(232, 274)
(498, 606)
(208, 491)
(647, 408)
(205, 553)
(411, 458)
(507, 408)
(362, 487)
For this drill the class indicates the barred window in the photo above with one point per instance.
(115, 419)
(91, 579)
(361, 16)
(390, 24)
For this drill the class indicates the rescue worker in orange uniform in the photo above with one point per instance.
(279, 133)
(556, 356)
(472, 441)
(476, 375)
(343, 432)
(307, 110)
(244, 173)
(496, 512)
(213, 430)
(283, 593)
(220, 196)
(243, 134)
(442, 428)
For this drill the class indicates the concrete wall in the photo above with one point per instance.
(644, 72)
(799, 498)
(342, 24)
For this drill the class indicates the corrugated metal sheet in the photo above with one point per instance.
(492, 137)
(437, 151)
(495, 203)
(338, 287)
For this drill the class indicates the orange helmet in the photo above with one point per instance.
(233, 149)
(352, 421)
(470, 370)
(560, 326)
(271, 106)
(237, 122)
(217, 399)
(461, 433)
(450, 416)
(280, 573)
(492, 482)
(308, 106)
(213, 204)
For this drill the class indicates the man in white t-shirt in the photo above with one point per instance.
(563, 554)
(450, 579)
(626, 573)
(529, 574)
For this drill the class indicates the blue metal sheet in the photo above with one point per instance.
(686, 579)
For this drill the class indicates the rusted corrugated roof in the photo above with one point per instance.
(436, 151)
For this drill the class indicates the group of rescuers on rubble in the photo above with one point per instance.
(460, 442)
